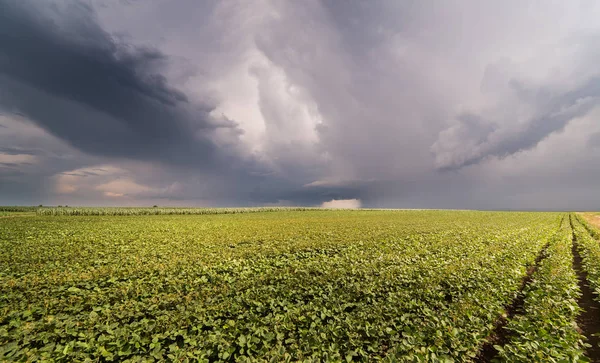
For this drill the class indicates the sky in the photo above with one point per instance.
(460, 104)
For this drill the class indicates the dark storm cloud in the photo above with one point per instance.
(473, 138)
(59, 68)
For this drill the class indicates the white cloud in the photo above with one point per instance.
(114, 195)
(123, 186)
(111, 181)
(342, 204)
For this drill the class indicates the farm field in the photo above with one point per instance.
(593, 218)
(298, 285)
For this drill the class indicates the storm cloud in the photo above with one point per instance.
(472, 138)
(59, 68)
(395, 104)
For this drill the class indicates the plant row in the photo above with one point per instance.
(10, 209)
(589, 249)
(545, 331)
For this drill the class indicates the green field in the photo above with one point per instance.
(295, 285)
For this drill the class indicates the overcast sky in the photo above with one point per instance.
(397, 104)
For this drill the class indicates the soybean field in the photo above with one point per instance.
(288, 285)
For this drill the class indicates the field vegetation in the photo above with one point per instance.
(293, 285)
(11, 209)
(127, 211)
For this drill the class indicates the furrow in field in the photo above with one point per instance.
(469, 317)
(586, 256)
(500, 335)
(544, 329)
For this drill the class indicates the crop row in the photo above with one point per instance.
(589, 248)
(545, 330)
(9, 209)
